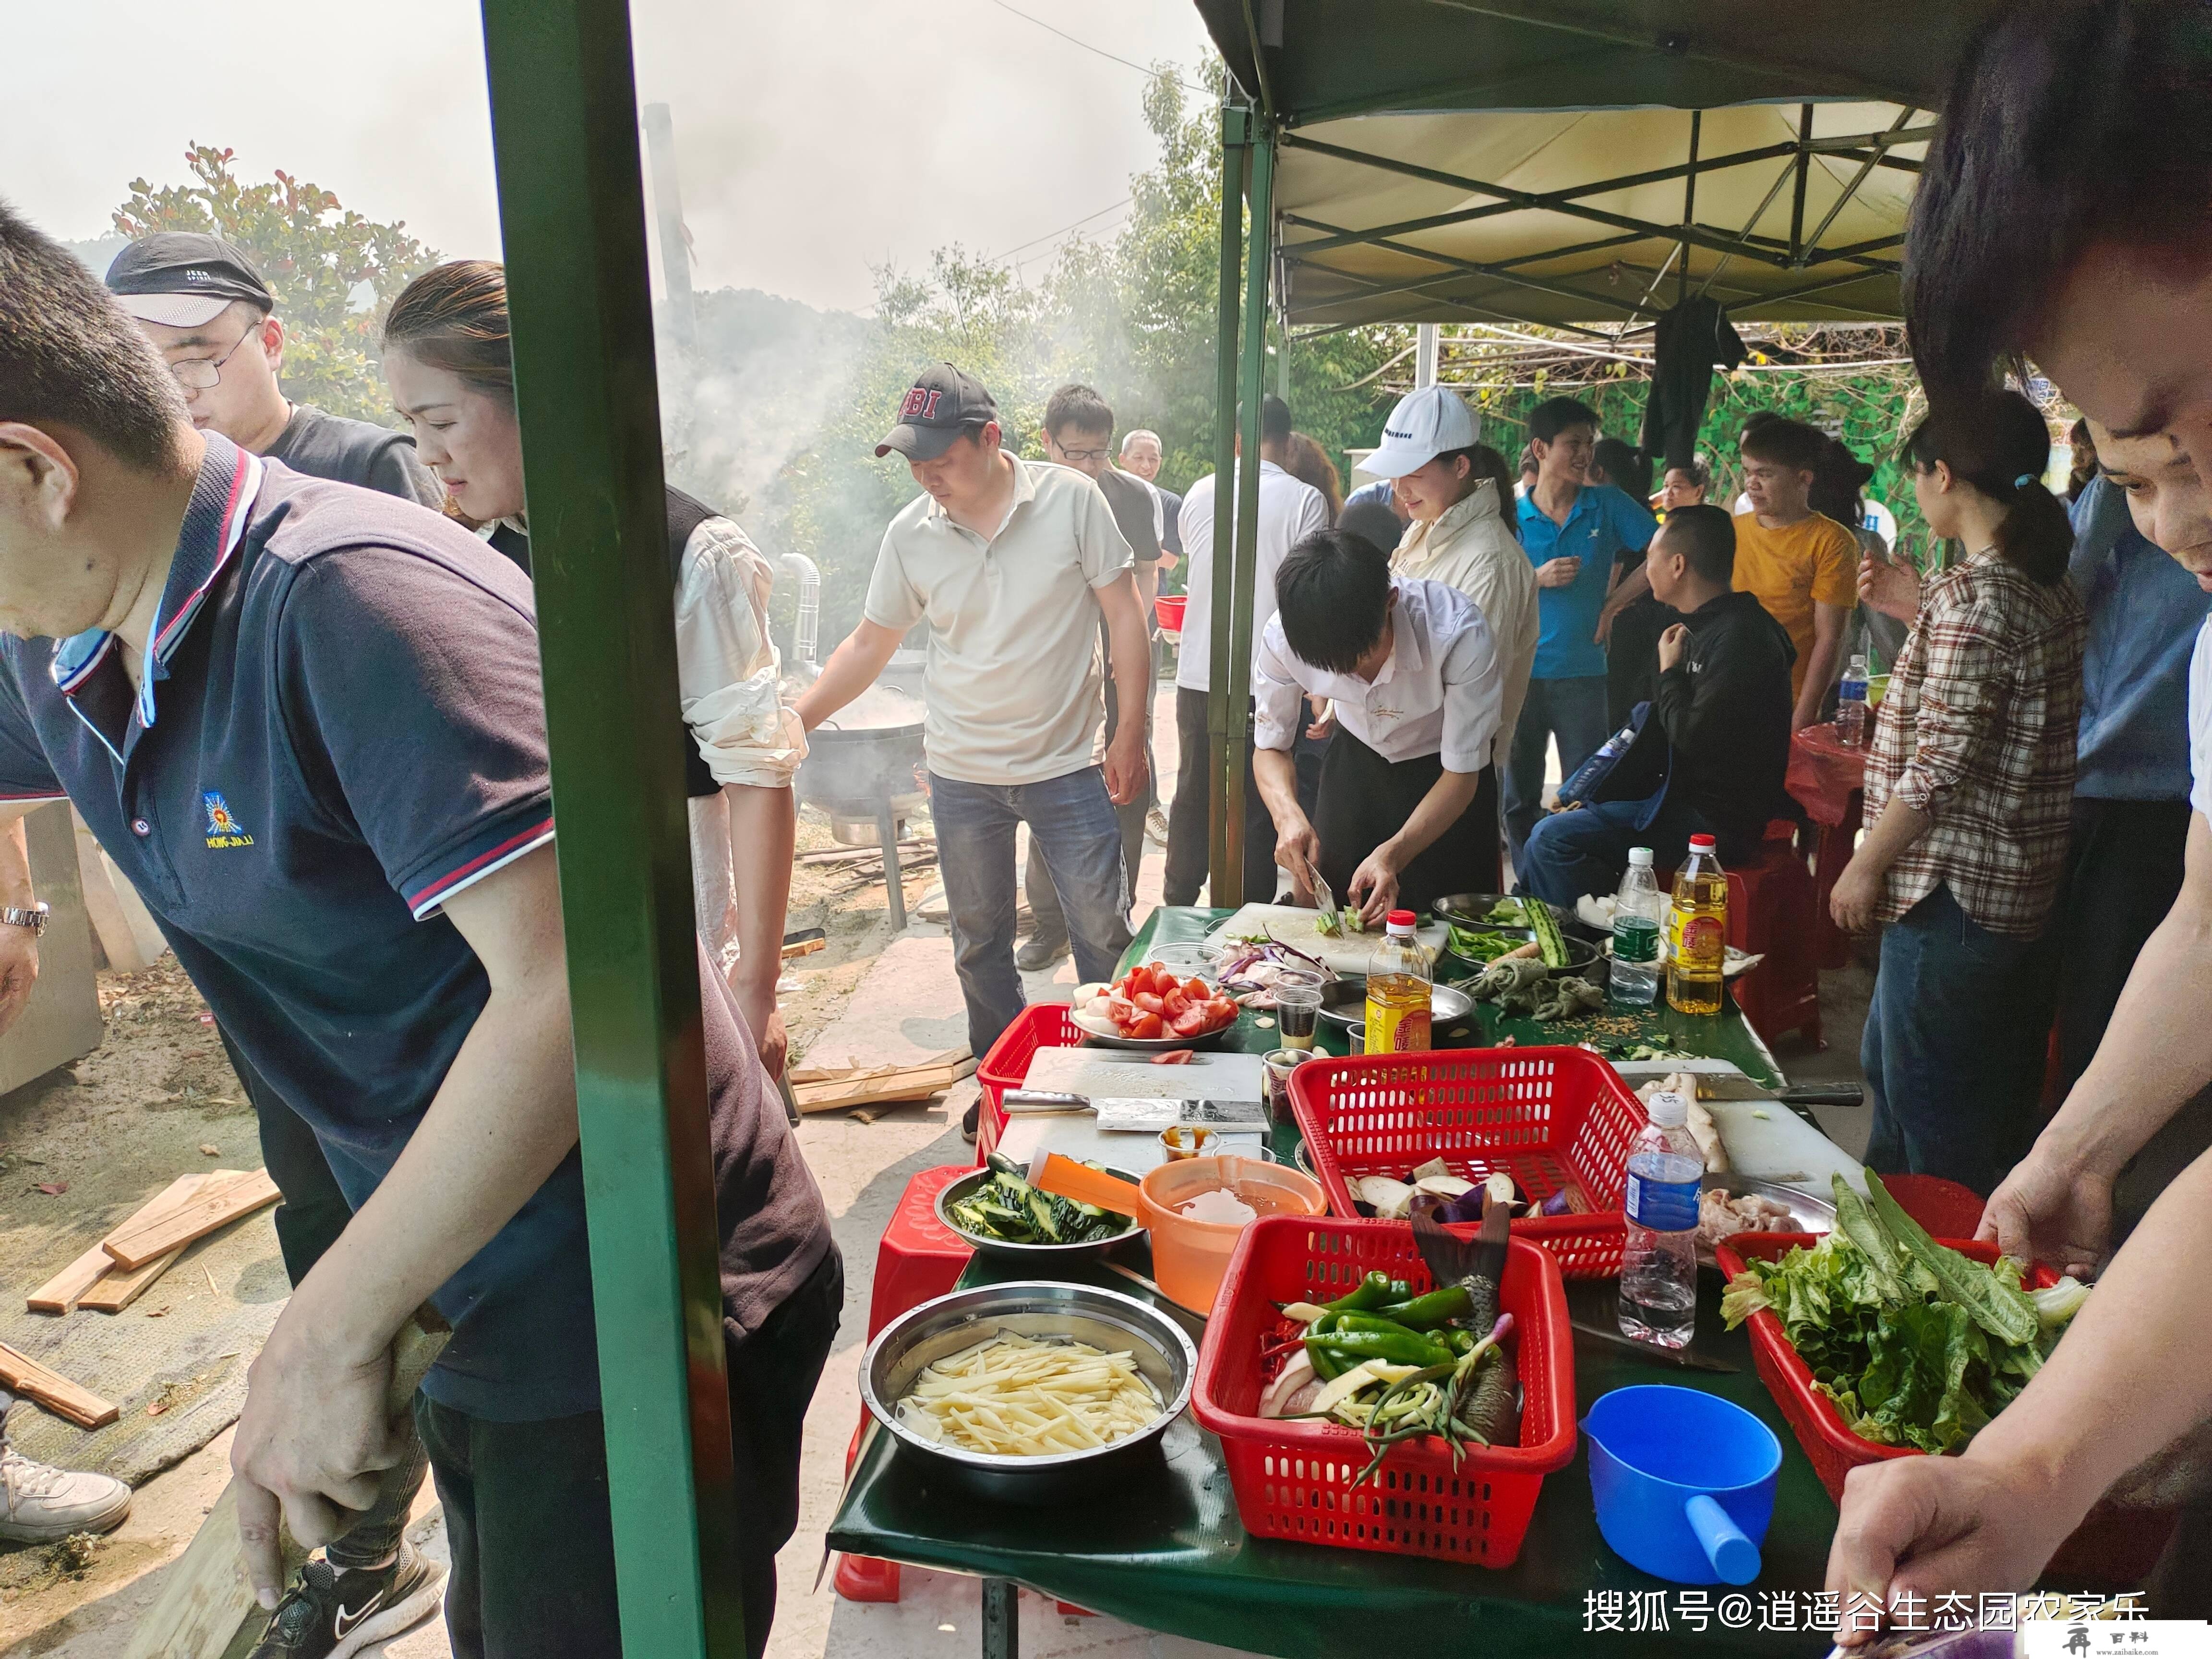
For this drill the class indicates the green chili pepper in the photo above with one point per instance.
(1325, 1365)
(1399, 1291)
(1426, 1313)
(1371, 1291)
(1462, 1342)
(1362, 1321)
(1392, 1348)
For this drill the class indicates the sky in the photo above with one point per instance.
(815, 140)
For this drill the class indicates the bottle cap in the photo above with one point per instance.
(1399, 921)
(1640, 855)
(1667, 1109)
(1702, 843)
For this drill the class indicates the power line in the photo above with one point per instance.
(1101, 52)
(1000, 259)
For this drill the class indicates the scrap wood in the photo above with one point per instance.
(207, 1610)
(824, 1088)
(848, 854)
(69, 1288)
(804, 947)
(79, 1404)
(138, 1241)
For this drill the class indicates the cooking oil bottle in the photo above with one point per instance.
(1697, 931)
(1398, 979)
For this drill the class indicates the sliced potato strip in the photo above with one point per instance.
(1012, 1396)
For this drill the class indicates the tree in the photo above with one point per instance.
(334, 272)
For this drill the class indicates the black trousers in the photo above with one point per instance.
(526, 1504)
(312, 1213)
(1188, 814)
(1367, 800)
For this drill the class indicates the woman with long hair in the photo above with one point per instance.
(1969, 795)
(446, 359)
(1309, 463)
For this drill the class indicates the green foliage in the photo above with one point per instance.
(334, 272)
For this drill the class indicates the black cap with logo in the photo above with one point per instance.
(182, 278)
(940, 403)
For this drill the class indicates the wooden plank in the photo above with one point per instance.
(68, 1288)
(135, 1244)
(875, 1085)
(79, 1404)
(61, 1292)
(121, 1286)
(206, 1609)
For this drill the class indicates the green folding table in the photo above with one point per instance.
(1166, 1550)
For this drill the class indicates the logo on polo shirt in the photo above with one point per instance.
(223, 830)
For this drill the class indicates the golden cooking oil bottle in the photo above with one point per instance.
(1398, 979)
(1697, 931)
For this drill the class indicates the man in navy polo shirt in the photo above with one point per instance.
(1573, 531)
(307, 721)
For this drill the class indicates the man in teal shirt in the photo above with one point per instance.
(1574, 532)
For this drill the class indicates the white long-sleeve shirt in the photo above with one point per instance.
(1470, 548)
(1290, 511)
(728, 675)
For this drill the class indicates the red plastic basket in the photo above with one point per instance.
(1294, 1479)
(2112, 1545)
(1545, 1115)
(1040, 1025)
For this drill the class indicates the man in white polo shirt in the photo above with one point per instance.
(1288, 510)
(999, 555)
(1414, 673)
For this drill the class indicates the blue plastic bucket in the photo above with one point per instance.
(1684, 1482)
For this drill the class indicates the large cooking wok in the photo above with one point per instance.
(864, 762)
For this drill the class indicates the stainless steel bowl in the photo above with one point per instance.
(1104, 1319)
(1043, 1257)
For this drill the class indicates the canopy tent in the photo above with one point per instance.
(1581, 164)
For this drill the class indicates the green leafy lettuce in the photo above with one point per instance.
(1916, 1344)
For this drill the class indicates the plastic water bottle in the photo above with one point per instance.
(1636, 909)
(1659, 1261)
(1851, 704)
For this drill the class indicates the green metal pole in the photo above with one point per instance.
(1251, 384)
(1224, 855)
(572, 212)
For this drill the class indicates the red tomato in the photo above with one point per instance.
(1149, 1003)
(1148, 1025)
(1223, 1009)
(1175, 1002)
(1140, 979)
(1197, 989)
(1121, 1010)
(1192, 1021)
(1173, 1057)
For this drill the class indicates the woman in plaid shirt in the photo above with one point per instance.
(1970, 791)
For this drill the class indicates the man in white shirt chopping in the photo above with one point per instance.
(1459, 536)
(997, 556)
(1289, 510)
(1414, 673)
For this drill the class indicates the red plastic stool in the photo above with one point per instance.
(1772, 912)
(919, 1258)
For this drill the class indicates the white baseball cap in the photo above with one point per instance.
(1425, 425)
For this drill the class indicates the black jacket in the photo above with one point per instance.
(1725, 707)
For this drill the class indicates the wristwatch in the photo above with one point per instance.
(34, 917)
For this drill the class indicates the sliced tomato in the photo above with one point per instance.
(1173, 1057)
(1140, 979)
(1149, 1003)
(1174, 1002)
(1192, 1021)
(1121, 1010)
(1148, 1025)
(1197, 989)
(1223, 1009)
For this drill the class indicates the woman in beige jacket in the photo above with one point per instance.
(1454, 490)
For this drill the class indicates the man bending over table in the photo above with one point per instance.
(1414, 673)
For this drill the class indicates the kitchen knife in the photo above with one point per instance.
(1721, 1079)
(1682, 1357)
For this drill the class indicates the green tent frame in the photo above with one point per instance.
(1342, 101)
(565, 134)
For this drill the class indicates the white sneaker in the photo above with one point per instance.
(42, 1504)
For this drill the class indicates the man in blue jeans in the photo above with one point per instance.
(1573, 530)
(1011, 564)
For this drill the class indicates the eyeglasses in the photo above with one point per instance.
(200, 373)
(1080, 455)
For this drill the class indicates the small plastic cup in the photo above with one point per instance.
(1298, 1012)
(1276, 1067)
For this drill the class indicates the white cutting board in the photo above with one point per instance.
(1297, 928)
(1097, 1071)
(1781, 1143)
(1077, 1135)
